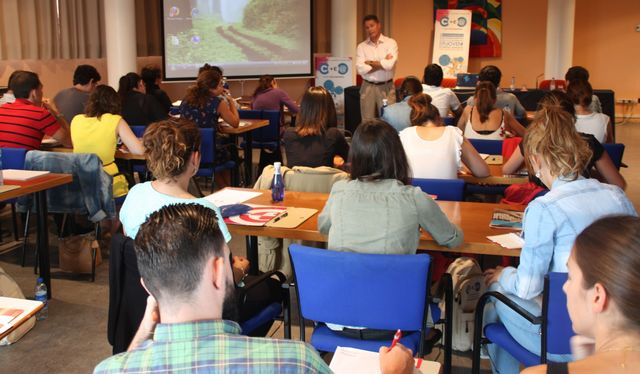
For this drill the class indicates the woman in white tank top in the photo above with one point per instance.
(484, 121)
(587, 121)
(436, 151)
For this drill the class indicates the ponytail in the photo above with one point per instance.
(485, 99)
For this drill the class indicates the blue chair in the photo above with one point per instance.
(138, 130)
(13, 158)
(492, 147)
(268, 136)
(137, 166)
(385, 292)
(555, 325)
(615, 152)
(449, 121)
(444, 189)
(250, 114)
(208, 166)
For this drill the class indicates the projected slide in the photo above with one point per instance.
(247, 38)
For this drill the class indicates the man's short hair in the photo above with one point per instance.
(172, 247)
(490, 73)
(410, 86)
(23, 82)
(576, 73)
(433, 75)
(12, 76)
(370, 17)
(149, 74)
(84, 74)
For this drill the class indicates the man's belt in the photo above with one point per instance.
(379, 83)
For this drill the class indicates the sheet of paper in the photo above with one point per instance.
(354, 361)
(509, 241)
(22, 175)
(484, 155)
(229, 196)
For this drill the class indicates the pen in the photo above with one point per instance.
(278, 218)
(396, 339)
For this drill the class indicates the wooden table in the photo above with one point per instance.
(496, 177)
(472, 218)
(245, 129)
(120, 154)
(38, 186)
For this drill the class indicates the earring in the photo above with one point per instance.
(538, 174)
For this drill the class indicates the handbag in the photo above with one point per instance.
(79, 253)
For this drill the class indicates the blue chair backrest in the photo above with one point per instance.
(492, 147)
(379, 291)
(138, 130)
(559, 329)
(13, 158)
(615, 152)
(250, 114)
(444, 189)
(207, 152)
(449, 121)
(269, 133)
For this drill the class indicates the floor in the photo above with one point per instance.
(73, 338)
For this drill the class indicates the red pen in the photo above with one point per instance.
(396, 339)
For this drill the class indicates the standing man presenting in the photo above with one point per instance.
(376, 60)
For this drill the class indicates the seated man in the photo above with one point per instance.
(398, 114)
(24, 122)
(71, 101)
(185, 329)
(8, 96)
(504, 100)
(441, 97)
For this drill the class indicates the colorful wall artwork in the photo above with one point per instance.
(486, 24)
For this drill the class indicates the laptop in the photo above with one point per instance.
(466, 80)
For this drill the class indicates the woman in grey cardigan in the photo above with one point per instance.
(377, 210)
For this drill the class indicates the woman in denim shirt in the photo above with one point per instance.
(557, 154)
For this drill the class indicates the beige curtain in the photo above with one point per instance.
(381, 8)
(149, 27)
(51, 29)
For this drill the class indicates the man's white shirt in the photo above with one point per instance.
(370, 51)
(442, 98)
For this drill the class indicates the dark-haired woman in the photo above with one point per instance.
(138, 108)
(378, 211)
(603, 293)
(588, 121)
(268, 96)
(151, 77)
(484, 121)
(97, 131)
(434, 150)
(315, 141)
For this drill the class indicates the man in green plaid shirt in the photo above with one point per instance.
(184, 263)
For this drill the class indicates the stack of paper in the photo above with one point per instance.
(509, 241)
(354, 361)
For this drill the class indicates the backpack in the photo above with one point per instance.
(468, 286)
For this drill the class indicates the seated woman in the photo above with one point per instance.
(172, 152)
(557, 155)
(97, 131)
(268, 96)
(600, 160)
(588, 121)
(484, 121)
(206, 102)
(603, 299)
(377, 210)
(434, 150)
(151, 77)
(138, 108)
(315, 140)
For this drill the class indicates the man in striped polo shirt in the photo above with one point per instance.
(24, 122)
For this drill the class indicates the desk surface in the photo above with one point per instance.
(473, 218)
(35, 185)
(496, 177)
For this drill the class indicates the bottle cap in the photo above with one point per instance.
(40, 280)
(277, 165)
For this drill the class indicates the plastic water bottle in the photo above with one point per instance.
(385, 103)
(552, 84)
(507, 109)
(277, 185)
(41, 295)
(513, 83)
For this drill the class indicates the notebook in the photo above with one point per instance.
(506, 219)
(22, 175)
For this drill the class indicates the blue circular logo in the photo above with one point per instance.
(444, 60)
(324, 68)
(343, 68)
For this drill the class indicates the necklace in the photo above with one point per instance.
(625, 349)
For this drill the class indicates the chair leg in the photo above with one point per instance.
(25, 238)
(286, 310)
(448, 326)
(14, 218)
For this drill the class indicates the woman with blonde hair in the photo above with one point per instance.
(557, 155)
(315, 140)
(603, 299)
(434, 150)
(484, 121)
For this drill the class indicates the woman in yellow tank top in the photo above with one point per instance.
(97, 131)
